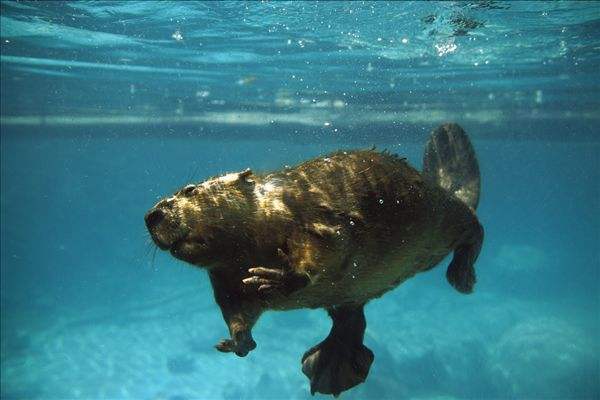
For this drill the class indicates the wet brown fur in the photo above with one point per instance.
(353, 224)
(357, 223)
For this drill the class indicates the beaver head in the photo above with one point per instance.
(201, 223)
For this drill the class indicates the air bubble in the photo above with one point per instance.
(539, 97)
(177, 35)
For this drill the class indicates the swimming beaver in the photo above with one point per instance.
(333, 232)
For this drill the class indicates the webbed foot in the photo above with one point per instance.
(460, 272)
(334, 365)
(462, 278)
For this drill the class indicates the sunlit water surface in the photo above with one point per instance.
(105, 107)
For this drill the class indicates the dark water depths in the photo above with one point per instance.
(106, 107)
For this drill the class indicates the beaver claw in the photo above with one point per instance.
(265, 278)
(334, 366)
(240, 347)
(275, 281)
(241, 344)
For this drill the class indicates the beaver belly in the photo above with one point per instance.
(362, 280)
(352, 288)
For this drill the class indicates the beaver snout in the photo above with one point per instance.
(160, 230)
(164, 226)
(153, 218)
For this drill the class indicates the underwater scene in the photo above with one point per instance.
(114, 113)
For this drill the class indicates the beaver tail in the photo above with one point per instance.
(449, 161)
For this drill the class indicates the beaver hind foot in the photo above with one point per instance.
(462, 278)
(333, 366)
(460, 272)
(341, 361)
(450, 162)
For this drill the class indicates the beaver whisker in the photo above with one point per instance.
(153, 257)
(149, 245)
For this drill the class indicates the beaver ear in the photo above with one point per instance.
(246, 176)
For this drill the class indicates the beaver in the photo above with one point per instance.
(333, 232)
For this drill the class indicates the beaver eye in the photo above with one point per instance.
(188, 190)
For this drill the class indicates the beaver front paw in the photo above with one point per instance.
(334, 366)
(265, 279)
(270, 281)
(241, 345)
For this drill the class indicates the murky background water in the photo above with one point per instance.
(107, 106)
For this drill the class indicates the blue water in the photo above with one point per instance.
(106, 107)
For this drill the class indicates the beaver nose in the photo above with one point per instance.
(154, 217)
